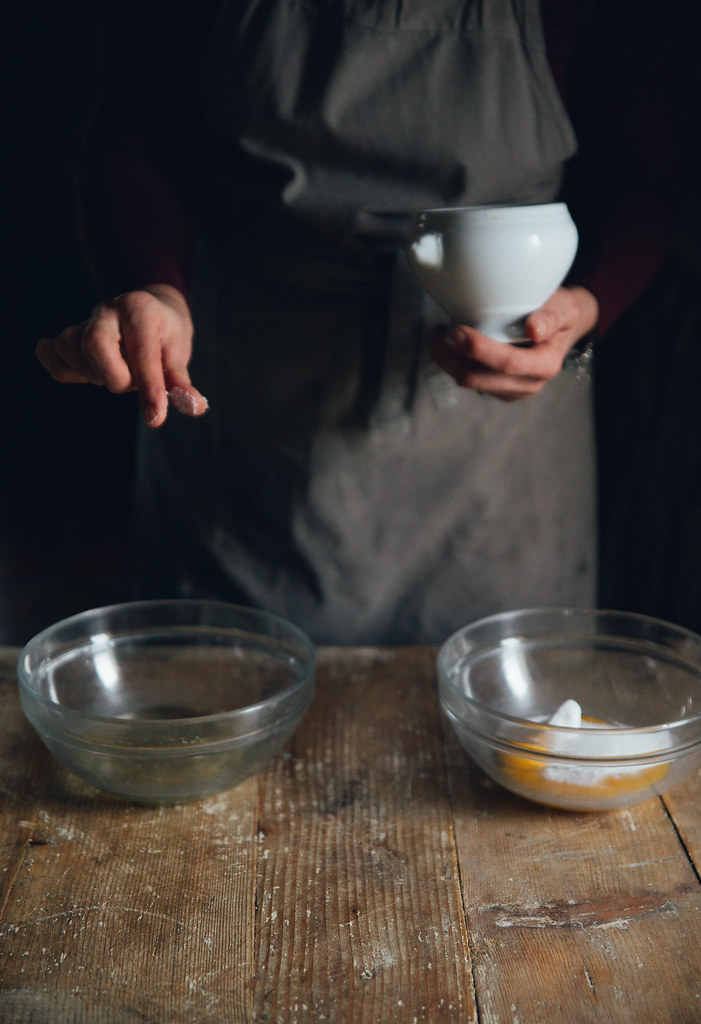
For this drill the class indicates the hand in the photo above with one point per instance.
(512, 372)
(141, 340)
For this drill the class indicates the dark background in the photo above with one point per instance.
(66, 457)
(65, 464)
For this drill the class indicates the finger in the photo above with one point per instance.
(59, 368)
(69, 347)
(474, 376)
(539, 362)
(544, 324)
(103, 350)
(556, 315)
(143, 343)
(510, 390)
(181, 392)
(187, 399)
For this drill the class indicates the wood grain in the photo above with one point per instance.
(357, 834)
(576, 917)
(370, 875)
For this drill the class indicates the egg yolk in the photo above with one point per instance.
(545, 780)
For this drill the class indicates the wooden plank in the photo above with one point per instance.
(575, 917)
(682, 803)
(117, 912)
(357, 833)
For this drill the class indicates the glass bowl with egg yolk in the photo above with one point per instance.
(578, 709)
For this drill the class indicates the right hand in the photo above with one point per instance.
(139, 341)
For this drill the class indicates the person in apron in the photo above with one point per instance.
(341, 478)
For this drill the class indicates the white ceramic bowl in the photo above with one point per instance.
(636, 679)
(490, 266)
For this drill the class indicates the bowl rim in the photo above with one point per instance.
(517, 211)
(306, 682)
(447, 684)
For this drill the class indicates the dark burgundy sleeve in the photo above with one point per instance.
(138, 167)
(623, 70)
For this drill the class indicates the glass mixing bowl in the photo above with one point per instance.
(636, 681)
(167, 701)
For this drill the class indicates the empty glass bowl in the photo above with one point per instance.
(167, 701)
(635, 680)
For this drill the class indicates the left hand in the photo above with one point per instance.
(512, 372)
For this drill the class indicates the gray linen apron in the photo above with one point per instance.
(340, 478)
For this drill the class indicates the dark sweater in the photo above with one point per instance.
(620, 67)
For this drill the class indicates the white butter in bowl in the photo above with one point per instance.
(550, 781)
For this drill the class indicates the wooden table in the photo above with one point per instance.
(371, 874)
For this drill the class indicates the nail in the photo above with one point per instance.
(539, 326)
(151, 415)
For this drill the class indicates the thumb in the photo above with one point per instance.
(182, 394)
(543, 323)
